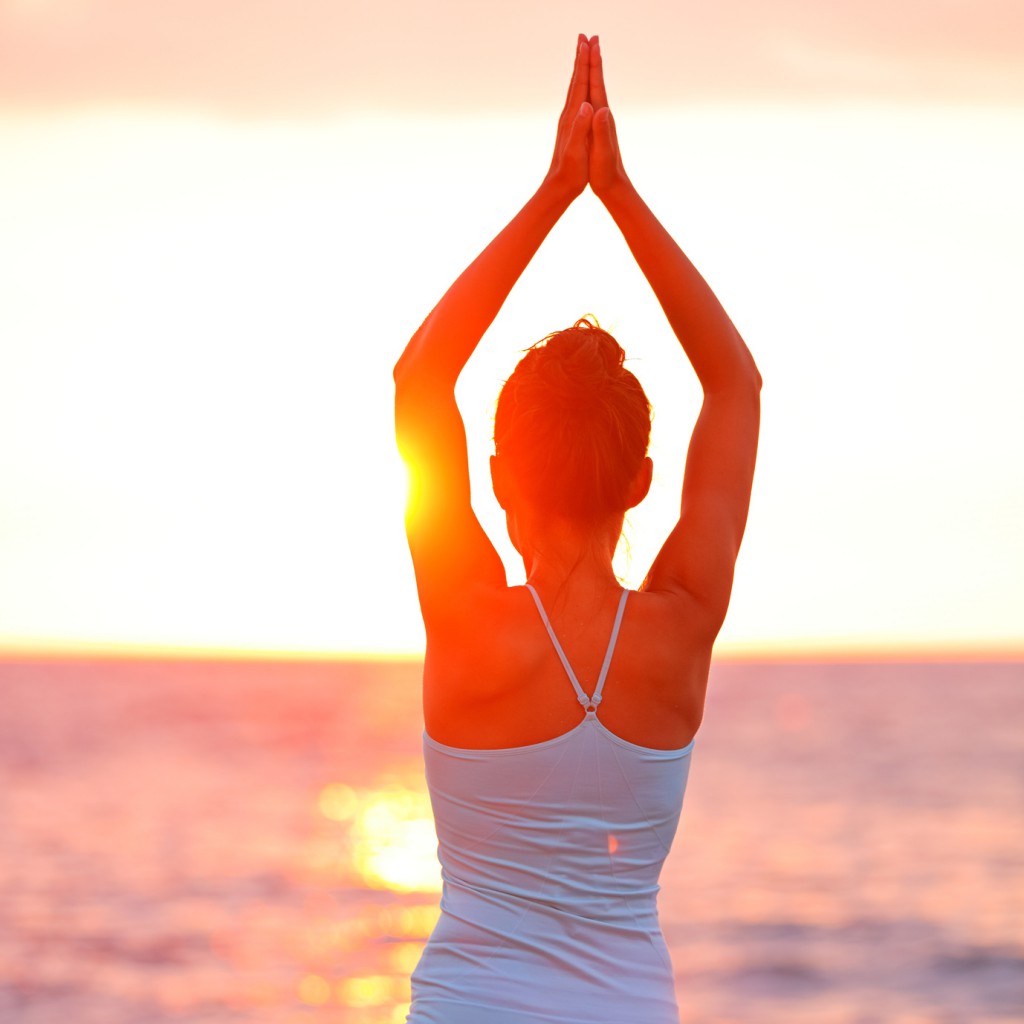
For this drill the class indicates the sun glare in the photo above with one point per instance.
(413, 488)
(392, 839)
(395, 843)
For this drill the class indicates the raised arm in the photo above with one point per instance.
(699, 556)
(450, 551)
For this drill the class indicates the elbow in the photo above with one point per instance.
(741, 378)
(406, 365)
(755, 374)
(397, 373)
(407, 389)
(408, 371)
(749, 376)
(418, 381)
(731, 369)
(411, 377)
(750, 373)
(401, 371)
(416, 367)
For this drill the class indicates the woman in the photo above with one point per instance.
(560, 716)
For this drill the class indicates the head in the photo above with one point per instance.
(571, 431)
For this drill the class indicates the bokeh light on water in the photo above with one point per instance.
(394, 841)
(240, 844)
(388, 835)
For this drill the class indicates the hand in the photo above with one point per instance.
(605, 171)
(570, 165)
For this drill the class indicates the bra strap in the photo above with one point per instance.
(588, 703)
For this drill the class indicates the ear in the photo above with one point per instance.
(641, 482)
(503, 491)
(500, 482)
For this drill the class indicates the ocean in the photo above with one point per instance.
(226, 842)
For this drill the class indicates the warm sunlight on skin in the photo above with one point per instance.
(199, 321)
(413, 486)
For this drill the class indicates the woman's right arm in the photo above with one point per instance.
(451, 553)
(698, 559)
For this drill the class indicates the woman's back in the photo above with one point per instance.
(550, 856)
(499, 683)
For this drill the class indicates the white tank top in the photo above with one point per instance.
(550, 856)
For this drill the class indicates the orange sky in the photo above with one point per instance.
(220, 224)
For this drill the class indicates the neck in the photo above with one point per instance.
(562, 555)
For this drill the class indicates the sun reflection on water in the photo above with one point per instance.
(337, 801)
(391, 832)
(374, 852)
(371, 990)
(415, 922)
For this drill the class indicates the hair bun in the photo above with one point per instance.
(574, 422)
(580, 361)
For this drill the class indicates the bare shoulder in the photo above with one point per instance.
(493, 679)
(673, 619)
(486, 677)
(482, 643)
(658, 683)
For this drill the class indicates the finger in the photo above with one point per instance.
(613, 134)
(579, 83)
(605, 140)
(598, 95)
(580, 127)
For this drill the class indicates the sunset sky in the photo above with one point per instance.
(220, 222)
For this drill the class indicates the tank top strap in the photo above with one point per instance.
(612, 640)
(589, 703)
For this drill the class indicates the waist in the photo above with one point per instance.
(493, 952)
(567, 907)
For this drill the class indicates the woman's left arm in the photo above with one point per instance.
(450, 550)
